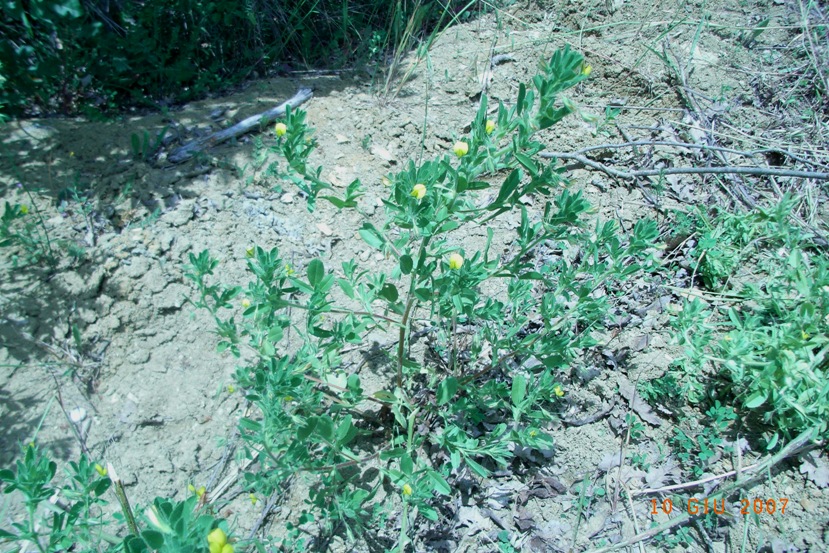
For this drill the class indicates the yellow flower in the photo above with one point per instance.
(249, 251)
(100, 470)
(455, 261)
(253, 499)
(533, 433)
(231, 388)
(280, 129)
(227, 548)
(727, 338)
(245, 303)
(288, 270)
(419, 191)
(217, 539)
(804, 334)
(386, 181)
(24, 209)
(461, 148)
(407, 490)
(558, 391)
(490, 126)
(586, 70)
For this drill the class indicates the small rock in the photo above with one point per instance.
(287, 198)
(383, 153)
(325, 229)
(808, 505)
(77, 414)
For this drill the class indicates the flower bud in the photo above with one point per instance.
(419, 191)
(461, 148)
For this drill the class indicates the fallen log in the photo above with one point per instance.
(193, 147)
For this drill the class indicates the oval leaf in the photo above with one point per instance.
(447, 389)
(406, 264)
(316, 270)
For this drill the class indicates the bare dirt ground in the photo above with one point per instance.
(142, 374)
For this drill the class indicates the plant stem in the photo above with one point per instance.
(404, 323)
(122, 499)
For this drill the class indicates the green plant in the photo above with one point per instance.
(770, 346)
(74, 516)
(178, 527)
(479, 399)
(25, 231)
(143, 147)
(70, 56)
(71, 516)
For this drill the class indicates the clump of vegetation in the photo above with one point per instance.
(68, 56)
(479, 401)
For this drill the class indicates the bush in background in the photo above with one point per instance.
(65, 56)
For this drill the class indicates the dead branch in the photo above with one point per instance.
(200, 144)
(724, 170)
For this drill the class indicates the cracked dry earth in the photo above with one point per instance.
(141, 374)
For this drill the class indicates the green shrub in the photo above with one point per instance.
(769, 338)
(67, 55)
(478, 400)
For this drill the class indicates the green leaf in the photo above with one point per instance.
(134, 544)
(509, 186)
(384, 395)
(347, 288)
(406, 264)
(439, 483)
(370, 236)
(447, 389)
(389, 292)
(519, 389)
(346, 431)
(423, 294)
(316, 272)
(522, 92)
(477, 468)
(306, 430)
(406, 464)
(755, 400)
(427, 512)
(528, 163)
(325, 428)
(395, 453)
(250, 425)
(153, 538)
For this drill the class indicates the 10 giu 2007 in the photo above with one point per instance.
(695, 506)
